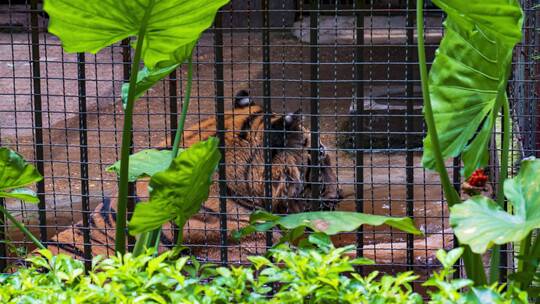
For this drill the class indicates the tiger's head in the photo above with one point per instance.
(287, 143)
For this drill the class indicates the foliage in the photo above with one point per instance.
(170, 27)
(178, 192)
(286, 275)
(464, 94)
(148, 78)
(462, 291)
(166, 32)
(481, 216)
(327, 222)
(480, 222)
(469, 75)
(144, 163)
(16, 174)
(468, 80)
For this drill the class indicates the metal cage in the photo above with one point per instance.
(349, 66)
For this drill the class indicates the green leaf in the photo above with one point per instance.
(89, 26)
(147, 78)
(480, 295)
(321, 240)
(362, 261)
(16, 173)
(149, 216)
(502, 18)
(144, 163)
(327, 222)
(334, 222)
(453, 256)
(24, 194)
(448, 259)
(260, 221)
(468, 74)
(178, 192)
(480, 222)
(261, 216)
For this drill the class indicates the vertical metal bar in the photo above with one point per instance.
(173, 104)
(267, 107)
(38, 120)
(503, 262)
(173, 122)
(3, 239)
(3, 234)
(503, 257)
(409, 161)
(535, 113)
(83, 141)
(220, 129)
(132, 191)
(314, 101)
(456, 174)
(359, 120)
(456, 180)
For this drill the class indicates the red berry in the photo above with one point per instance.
(478, 178)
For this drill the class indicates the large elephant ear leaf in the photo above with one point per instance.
(502, 18)
(327, 222)
(146, 79)
(469, 75)
(179, 191)
(523, 191)
(144, 163)
(91, 25)
(334, 222)
(479, 222)
(15, 174)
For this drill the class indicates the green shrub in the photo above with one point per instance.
(287, 275)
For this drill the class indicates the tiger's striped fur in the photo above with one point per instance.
(244, 155)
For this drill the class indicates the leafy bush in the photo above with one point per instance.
(165, 33)
(288, 275)
(464, 94)
(15, 175)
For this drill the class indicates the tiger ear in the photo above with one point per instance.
(286, 122)
(285, 131)
(293, 120)
(242, 99)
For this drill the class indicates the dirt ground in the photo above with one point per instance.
(384, 173)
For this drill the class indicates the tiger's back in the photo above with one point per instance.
(244, 147)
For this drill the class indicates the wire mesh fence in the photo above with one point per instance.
(348, 68)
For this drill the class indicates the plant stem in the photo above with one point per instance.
(22, 228)
(177, 140)
(139, 247)
(450, 193)
(185, 107)
(120, 234)
(181, 233)
(155, 242)
(534, 252)
(524, 247)
(152, 238)
(494, 271)
(473, 262)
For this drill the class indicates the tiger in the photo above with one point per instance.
(291, 186)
